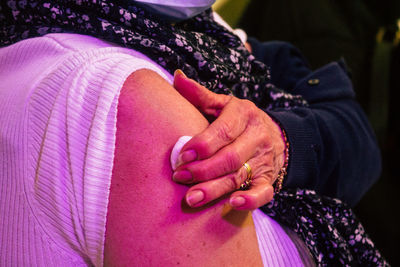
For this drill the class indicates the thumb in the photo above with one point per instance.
(203, 99)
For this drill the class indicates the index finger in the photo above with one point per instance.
(230, 124)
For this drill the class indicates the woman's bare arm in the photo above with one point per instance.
(148, 223)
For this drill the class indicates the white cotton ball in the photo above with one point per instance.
(177, 149)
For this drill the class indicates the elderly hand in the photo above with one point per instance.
(214, 158)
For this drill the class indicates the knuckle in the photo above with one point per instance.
(225, 132)
(264, 135)
(269, 196)
(252, 112)
(213, 168)
(201, 173)
(233, 181)
(203, 148)
(232, 160)
(248, 106)
(265, 196)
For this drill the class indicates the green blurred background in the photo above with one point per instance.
(366, 33)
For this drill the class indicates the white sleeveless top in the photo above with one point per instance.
(58, 105)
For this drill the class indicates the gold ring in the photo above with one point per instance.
(246, 184)
(248, 169)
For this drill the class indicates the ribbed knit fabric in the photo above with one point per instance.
(58, 104)
(277, 248)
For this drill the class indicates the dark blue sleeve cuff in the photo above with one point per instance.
(332, 146)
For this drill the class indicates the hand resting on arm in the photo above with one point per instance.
(333, 149)
(240, 133)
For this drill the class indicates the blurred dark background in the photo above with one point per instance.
(366, 33)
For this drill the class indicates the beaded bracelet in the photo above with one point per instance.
(283, 171)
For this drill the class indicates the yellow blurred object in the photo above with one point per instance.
(396, 40)
(230, 10)
(380, 34)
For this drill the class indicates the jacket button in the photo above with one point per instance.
(313, 82)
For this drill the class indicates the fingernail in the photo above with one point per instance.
(182, 176)
(194, 197)
(237, 201)
(186, 157)
(179, 72)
